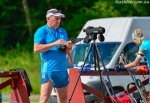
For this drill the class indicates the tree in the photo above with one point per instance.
(19, 20)
(28, 18)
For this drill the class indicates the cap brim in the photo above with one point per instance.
(62, 15)
(57, 14)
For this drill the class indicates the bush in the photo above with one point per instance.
(26, 60)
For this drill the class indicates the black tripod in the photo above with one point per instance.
(96, 56)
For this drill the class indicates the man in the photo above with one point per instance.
(47, 40)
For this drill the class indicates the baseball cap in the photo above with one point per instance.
(54, 12)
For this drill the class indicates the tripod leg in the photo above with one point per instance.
(95, 59)
(80, 72)
(107, 89)
(99, 55)
(97, 64)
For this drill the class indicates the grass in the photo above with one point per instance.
(26, 60)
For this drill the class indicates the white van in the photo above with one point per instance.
(118, 33)
(118, 39)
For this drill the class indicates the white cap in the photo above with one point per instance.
(54, 12)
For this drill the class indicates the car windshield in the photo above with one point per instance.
(106, 49)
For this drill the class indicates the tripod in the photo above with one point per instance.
(97, 55)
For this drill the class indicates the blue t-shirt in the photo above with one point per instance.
(52, 60)
(146, 46)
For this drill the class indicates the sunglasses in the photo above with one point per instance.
(54, 11)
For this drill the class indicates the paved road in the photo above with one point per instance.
(33, 98)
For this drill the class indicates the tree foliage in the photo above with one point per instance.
(20, 19)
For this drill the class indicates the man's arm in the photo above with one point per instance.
(44, 47)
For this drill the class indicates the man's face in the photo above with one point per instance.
(54, 21)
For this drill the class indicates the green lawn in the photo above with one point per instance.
(26, 60)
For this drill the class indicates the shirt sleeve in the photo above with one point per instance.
(143, 46)
(39, 36)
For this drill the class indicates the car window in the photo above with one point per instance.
(130, 51)
(106, 49)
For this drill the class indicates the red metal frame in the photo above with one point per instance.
(78, 96)
(19, 92)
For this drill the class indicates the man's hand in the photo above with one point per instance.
(59, 42)
(69, 44)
